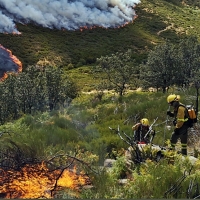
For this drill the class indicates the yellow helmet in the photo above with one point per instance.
(144, 122)
(173, 97)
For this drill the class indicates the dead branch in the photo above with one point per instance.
(74, 158)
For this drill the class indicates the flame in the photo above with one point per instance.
(4, 77)
(14, 59)
(94, 27)
(37, 181)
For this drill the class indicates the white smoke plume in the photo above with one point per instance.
(66, 14)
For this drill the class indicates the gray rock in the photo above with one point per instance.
(109, 162)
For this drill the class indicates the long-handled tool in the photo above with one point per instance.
(165, 127)
(150, 130)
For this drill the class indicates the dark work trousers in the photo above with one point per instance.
(139, 136)
(183, 135)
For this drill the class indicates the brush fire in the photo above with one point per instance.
(37, 181)
(68, 15)
(8, 63)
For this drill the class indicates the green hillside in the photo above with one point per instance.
(47, 123)
(157, 21)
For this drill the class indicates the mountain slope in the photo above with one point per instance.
(157, 21)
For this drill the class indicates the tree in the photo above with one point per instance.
(9, 97)
(170, 64)
(26, 92)
(118, 71)
(158, 71)
(188, 60)
(35, 89)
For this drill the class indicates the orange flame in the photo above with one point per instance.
(14, 59)
(37, 181)
(93, 27)
(4, 77)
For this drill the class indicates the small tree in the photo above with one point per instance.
(118, 70)
(188, 60)
(158, 71)
(172, 64)
(35, 89)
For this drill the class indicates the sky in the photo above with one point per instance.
(65, 14)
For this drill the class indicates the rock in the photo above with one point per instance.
(191, 158)
(109, 162)
(86, 187)
(122, 181)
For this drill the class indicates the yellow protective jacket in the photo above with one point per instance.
(180, 114)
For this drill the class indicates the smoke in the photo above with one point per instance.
(8, 62)
(66, 14)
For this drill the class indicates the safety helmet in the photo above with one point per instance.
(173, 97)
(144, 122)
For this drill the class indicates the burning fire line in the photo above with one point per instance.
(82, 28)
(70, 15)
(37, 181)
(7, 55)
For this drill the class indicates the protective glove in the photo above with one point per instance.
(152, 132)
(174, 122)
(170, 113)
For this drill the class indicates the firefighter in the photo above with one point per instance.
(180, 122)
(140, 130)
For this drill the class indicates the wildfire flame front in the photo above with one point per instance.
(37, 181)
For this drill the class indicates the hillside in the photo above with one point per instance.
(42, 144)
(157, 21)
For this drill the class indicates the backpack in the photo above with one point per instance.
(191, 114)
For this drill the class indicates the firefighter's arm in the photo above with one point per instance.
(180, 117)
(135, 127)
(171, 114)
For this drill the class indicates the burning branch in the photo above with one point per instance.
(62, 171)
(21, 178)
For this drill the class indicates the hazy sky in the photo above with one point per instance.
(68, 14)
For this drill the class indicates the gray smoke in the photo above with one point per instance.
(67, 14)
(7, 63)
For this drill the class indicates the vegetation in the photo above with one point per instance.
(172, 64)
(84, 125)
(46, 110)
(146, 183)
(54, 119)
(118, 71)
(157, 22)
(36, 89)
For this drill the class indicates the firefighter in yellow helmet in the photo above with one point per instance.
(140, 129)
(180, 115)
